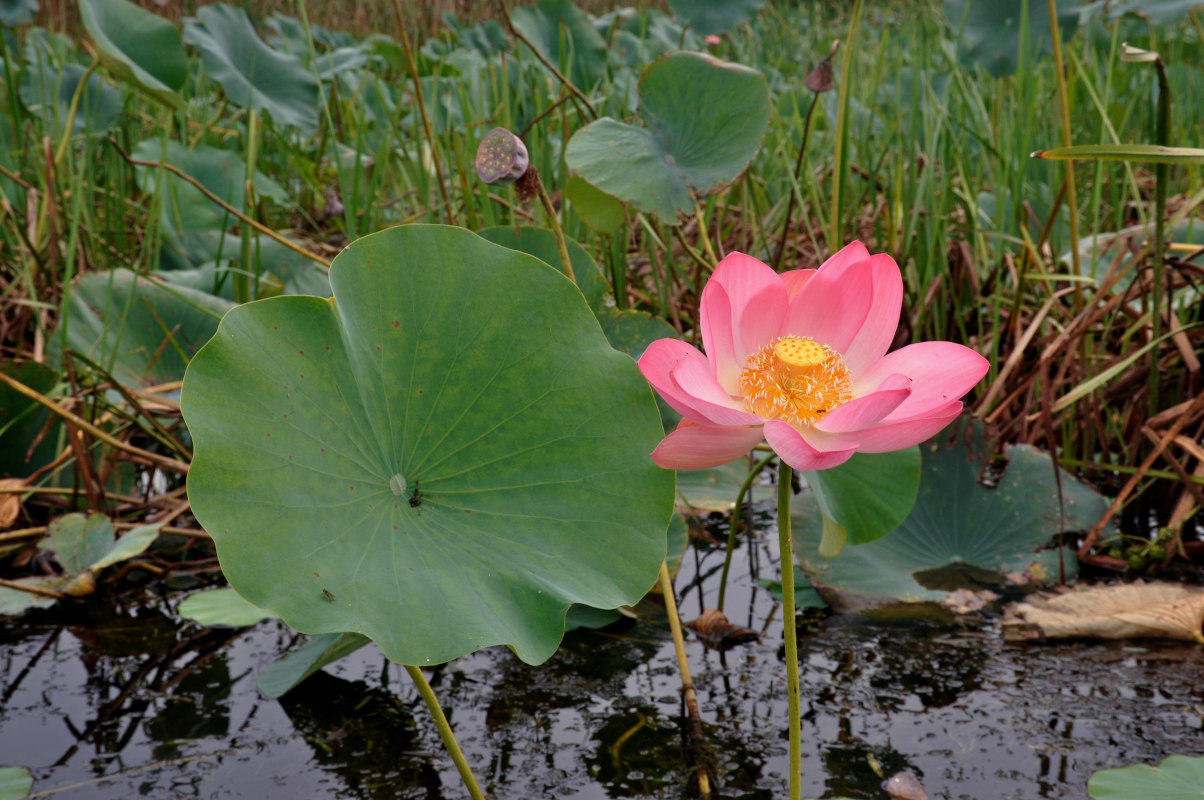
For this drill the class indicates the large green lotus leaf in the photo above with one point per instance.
(17, 12)
(47, 90)
(1176, 778)
(990, 33)
(705, 121)
(960, 534)
(252, 74)
(141, 331)
(137, 47)
(714, 16)
(442, 457)
(23, 419)
(563, 34)
(15, 782)
(628, 330)
(866, 497)
(222, 172)
(596, 208)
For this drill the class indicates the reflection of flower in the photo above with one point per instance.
(800, 360)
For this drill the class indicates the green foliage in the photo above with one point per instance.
(224, 607)
(451, 434)
(15, 783)
(1176, 778)
(866, 497)
(714, 16)
(563, 34)
(17, 12)
(22, 419)
(995, 35)
(47, 90)
(960, 534)
(251, 74)
(705, 121)
(137, 47)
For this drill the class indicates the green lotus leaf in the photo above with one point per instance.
(15, 783)
(960, 534)
(563, 34)
(714, 16)
(46, 90)
(628, 330)
(866, 497)
(222, 172)
(277, 678)
(1176, 778)
(596, 208)
(140, 330)
(990, 34)
(17, 12)
(252, 74)
(22, 420)
(705, 121)
(221, 607)
(137, 47)
(442, 457)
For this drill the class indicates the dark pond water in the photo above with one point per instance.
(121, 704)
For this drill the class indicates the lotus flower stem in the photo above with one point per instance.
(734, 530)
(786, 549)
(445, 732)
(683, 665)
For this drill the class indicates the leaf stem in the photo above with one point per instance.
(549, 211)
(445, 732)
(786, 549)
(694, 721)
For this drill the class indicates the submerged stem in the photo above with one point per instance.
(786, 548)
(445, 732)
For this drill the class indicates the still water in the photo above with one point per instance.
(121, 703)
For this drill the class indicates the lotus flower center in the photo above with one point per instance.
(795, 379)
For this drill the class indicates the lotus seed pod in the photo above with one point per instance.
(501, 158)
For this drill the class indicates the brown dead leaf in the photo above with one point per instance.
(10, 502)
(1167, 610)
(715, 631)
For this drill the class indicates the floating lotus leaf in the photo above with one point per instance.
(442, 457)
(221, 607)
(15, 783)
(1176, 778)
(959, 535)
(705, 121)
(137, 47)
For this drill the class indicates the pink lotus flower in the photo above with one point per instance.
(799, 360)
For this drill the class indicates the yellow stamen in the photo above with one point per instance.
(795, 379)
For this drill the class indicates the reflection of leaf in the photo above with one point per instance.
(1170, 610)
(960, 533)
(705, 120)
(1176, 778)
(444, 456)
(805, 595)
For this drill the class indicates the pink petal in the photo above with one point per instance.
(657, 365)
(711, 404)
(799, 453)
(890, 436)
(939, 372)
(693, 446)
(835, 302)
(863, 412)
(876, 334)
(755, 302)
(794, 280)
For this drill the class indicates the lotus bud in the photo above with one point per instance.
(501, 158)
